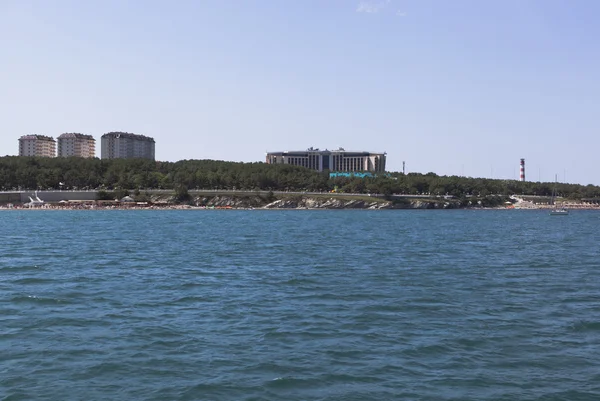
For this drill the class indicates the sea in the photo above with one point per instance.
(299, 305)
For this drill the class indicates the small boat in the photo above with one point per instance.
(557, 211)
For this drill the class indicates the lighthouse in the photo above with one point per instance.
(522, 177)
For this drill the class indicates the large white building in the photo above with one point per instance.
(37, 145)
(79, 145)
(123, 145)
(332, 160)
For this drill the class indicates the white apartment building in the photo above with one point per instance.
(123, 145)
(78, 145)
(332, 160)
(37, 145)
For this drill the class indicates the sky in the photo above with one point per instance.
(462, 87)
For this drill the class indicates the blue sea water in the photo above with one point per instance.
(299, 305)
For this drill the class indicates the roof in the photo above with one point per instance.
(118, 134)
(326, 151)
(39, 137)
(75, 135)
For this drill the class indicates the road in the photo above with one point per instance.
(73, 194)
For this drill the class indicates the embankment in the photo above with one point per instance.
(240, 200)
(319, 202)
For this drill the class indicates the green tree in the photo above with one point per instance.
(182, 194)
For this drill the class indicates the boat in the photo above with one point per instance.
(557, 211)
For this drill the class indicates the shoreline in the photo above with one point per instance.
(284, 202)
(190, 207)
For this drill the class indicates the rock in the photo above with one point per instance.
(308, 202)
(281, 204)
(421, 205)
(311, 203)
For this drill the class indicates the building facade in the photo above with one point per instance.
(123, 145)
(78, 145)
(37, 145)
(332, 160)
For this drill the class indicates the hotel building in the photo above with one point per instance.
(332, 160)
(123, 145)
(78, 145)
(37, 145)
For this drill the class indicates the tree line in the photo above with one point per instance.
(30, 173)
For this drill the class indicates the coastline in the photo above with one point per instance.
(51, 207)
(168, 201)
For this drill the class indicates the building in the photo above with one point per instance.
(78, 145)
(37, 145)
(123, 145)
(332, 160)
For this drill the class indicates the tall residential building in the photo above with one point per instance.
(333, 160)
(37, 145)
(79, 145)
(123, 145)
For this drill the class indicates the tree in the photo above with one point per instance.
(30, 173)
(182, 194)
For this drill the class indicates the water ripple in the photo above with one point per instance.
(323, 305)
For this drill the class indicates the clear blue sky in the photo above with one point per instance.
(454, 87)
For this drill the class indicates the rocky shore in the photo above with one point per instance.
(273, 203)
(320, 202)
(250, 202)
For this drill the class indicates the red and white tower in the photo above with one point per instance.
(522, 170)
